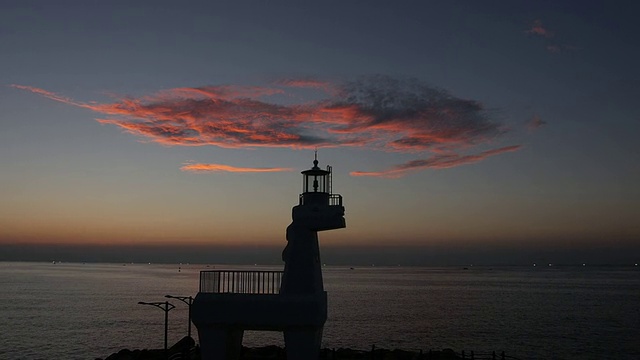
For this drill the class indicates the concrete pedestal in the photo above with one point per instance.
(222, 342)
(303, 343)
(221, 320)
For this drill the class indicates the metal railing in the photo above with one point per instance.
(333, 199)
(240, 282)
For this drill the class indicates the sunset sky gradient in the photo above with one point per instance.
(458, 131)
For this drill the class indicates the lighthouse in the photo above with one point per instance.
(292, 301)
(317, 210)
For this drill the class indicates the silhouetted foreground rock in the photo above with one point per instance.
(185, 349)
(278, 353)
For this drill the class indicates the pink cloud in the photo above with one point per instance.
(376, 112)
(535, 123)
(199, 167)
(552, 44)
(306, 83)
(221, 92)
(538, 29)
(47, 94)
(555, 48)
(438, 161)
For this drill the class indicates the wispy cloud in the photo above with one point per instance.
(307, 82)
(377, 112)
(48, 94)
(409, 115)
(539, 30)
(552, 44)
(438, 161)
(556, 48)
(198, 167)
(535, 123)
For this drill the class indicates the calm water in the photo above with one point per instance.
(83, 311)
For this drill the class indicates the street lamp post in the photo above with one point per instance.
(187, 300)
(166, 307)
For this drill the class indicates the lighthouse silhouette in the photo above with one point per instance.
(292, 301)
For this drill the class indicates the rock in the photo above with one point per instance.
(182, 347)
(124, 354)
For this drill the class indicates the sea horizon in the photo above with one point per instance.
(347, 265)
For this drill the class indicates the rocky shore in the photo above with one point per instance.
(185, 349)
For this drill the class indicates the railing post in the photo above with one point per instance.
(502, 355)
(463, 354)
(493, 355)
(472, 355)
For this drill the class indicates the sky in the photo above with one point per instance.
(489, 132)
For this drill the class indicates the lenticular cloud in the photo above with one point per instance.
(377, 112)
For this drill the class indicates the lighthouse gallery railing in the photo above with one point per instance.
(240, 282)
(333, 199)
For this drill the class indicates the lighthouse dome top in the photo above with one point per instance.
(315, 170)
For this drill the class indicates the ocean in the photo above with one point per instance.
(84, 311)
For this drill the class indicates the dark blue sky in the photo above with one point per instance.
(451, 125)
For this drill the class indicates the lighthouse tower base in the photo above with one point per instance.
(303, 343)
(222, 318)
(225, 343)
